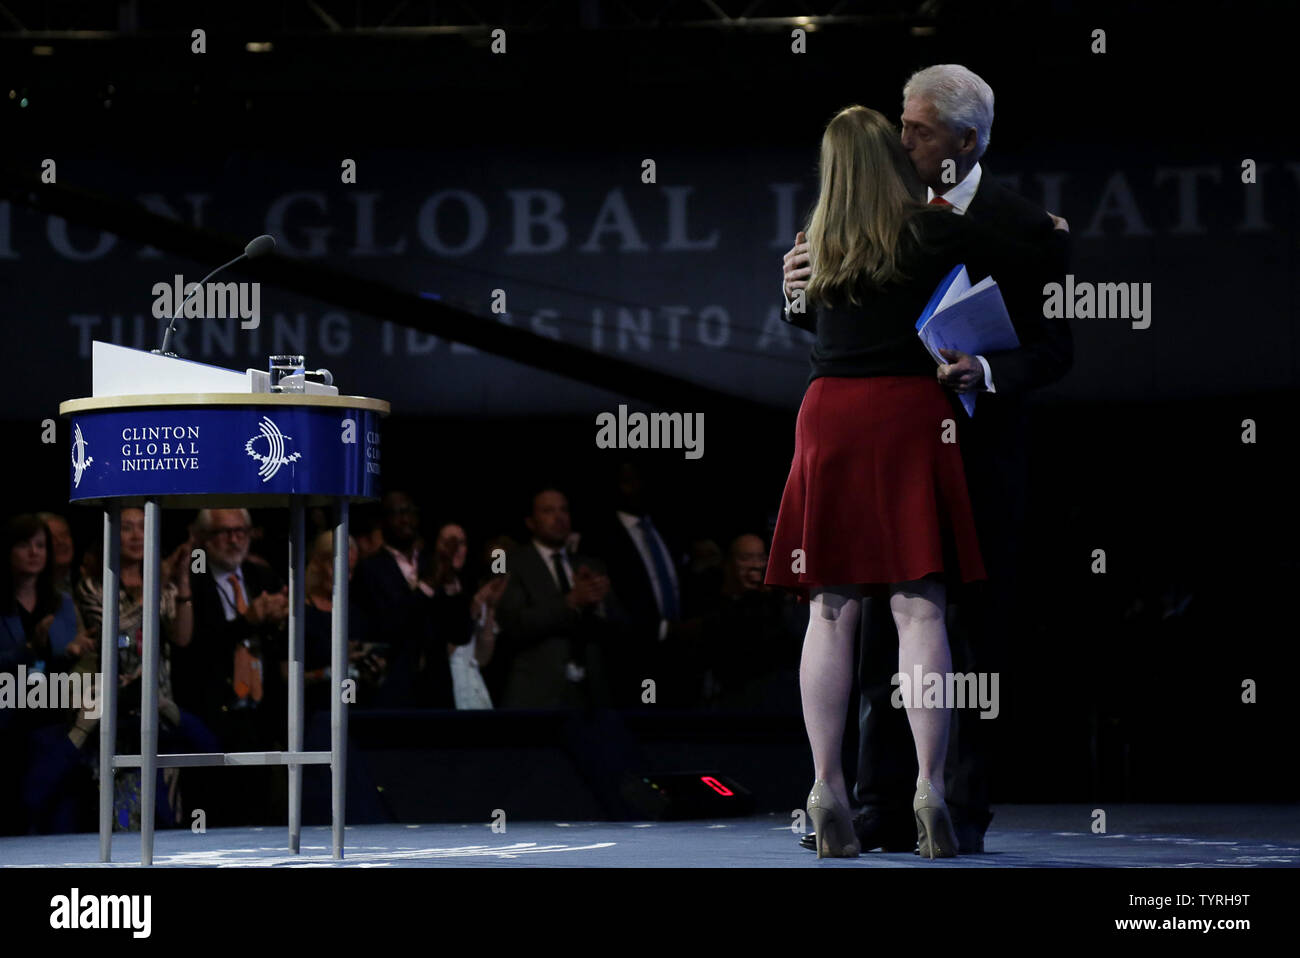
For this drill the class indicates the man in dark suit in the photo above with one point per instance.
(240, 610)
(642, 565)
(947, 116)
(410, 617)
(555, 615)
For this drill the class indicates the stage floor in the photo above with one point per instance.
(1022, 836)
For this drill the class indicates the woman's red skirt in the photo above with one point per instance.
(875, 495)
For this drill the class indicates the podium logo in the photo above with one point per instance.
(211, 301)
(79, 458)
(273, 442)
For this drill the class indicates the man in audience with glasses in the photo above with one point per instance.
(240, 610)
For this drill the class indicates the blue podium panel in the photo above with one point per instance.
(238, 450)
(225, 449)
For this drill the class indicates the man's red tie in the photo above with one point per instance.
(939, 201)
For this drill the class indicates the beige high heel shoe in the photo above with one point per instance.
(833, 824)
(934, 831)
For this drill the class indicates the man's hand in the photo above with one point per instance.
(588, 588)
(599, 582)
(964, 373)
(1058, 222)
(797, 266)
(272, 607)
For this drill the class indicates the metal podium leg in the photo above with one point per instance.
(338, 675)
(149, 679)
(298, 546)
(108, 677)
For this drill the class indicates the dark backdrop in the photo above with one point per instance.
(1137, 451)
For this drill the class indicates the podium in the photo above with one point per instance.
(168, 446)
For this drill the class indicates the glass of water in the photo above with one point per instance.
(287, 365)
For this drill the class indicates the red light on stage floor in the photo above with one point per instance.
(717, 786)
(677, 796)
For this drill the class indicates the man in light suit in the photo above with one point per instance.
(555, 615)
(946, 120)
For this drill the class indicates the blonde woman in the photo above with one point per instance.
(876, 499)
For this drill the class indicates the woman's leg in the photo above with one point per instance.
(826, 679)
(918, 609)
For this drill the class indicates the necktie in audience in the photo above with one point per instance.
(660, 561)
(248, 667)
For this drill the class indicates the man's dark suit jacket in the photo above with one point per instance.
(538, 630)
(203, 671)
(414, 625)
(640, 653)
(993, 443)
(628, 573)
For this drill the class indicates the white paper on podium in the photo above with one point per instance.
(119, 371)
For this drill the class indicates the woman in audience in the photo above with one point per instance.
(178, 730)
(456, 611)
(317, 629)
(38, 634)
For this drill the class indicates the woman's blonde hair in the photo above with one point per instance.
(319, 571)
(865, 210)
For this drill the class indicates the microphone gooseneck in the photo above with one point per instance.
(256, 247)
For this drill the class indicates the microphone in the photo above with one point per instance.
(255, 248)
(260, 246)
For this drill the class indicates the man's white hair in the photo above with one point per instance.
(205, 519)
(960, 97)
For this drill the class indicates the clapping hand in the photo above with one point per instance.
(488, 595)
(79, 646)
(175, 568)
(272, 607)
(589, 588)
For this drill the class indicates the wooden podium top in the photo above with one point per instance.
(92, 404)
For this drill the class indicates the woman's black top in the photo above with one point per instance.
(878, 336)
